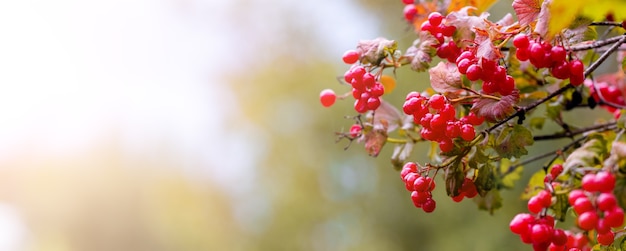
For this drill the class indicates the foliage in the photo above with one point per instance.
(481, 111)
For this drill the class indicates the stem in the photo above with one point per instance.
(606, 23)
(596, 44)
(569, 134)
(397, 141)
(522, 111)
(473, 97)
(548, 154)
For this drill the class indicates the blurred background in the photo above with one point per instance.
(195, 125)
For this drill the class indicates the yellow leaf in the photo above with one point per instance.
(535, 184)
(481, 5)
(565, 12)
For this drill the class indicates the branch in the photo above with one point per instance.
(523, 110)
(548, 154)
(569, 134)
(597, 44)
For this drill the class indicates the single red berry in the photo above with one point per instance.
(435, 18)
(587, 220)
(558, 53)
(426, 26)
(602, 227)
(452, 130)
(614, 217)
(446, 145)
(582, 205)
(467, 132)
(327, 97)
(355, 130)
(463, 64)
(556, 170)
(429, 206)
(474, 119)
(421, 184)
(521, 41)
(360, 106)
(408, 1)
(606, 238)
(606, 201)
(589, 183)
(534, 205)
(507, 87)
(576, 67)
(522, 54)
(448, 31)
(350, 57)
(541, 233)
(409, 12)
(474, 72)
(545, 198)
(373, 103)
(437, 101)
(536, 54)
(559, 237)
(560, 70)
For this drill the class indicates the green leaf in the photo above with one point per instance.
(512, 141)
(490, 202)
(486, 179)
(620, 192)
(537, 122)
(560, 207)
(535, 184)
(591, 154)
(509, 174)
(454, 177)
(553, 110)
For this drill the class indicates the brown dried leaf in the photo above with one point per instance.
(543, 21)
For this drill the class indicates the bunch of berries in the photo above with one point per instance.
(366, 89)
(467, 190)
(421, 187)
(494, 76)
(596, 206)
(438, 120)
(544, 55)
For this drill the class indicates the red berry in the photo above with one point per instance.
(559, 237)
(602, 227)
(574, 195)
(421, 184)
(507, 87)
(545, 198)
(605, 181)
(606, 201)
(452, 130)
(541, 233)
(560, 70)
(522, 54)
(463, 65)
(558, 53)
(350, 57)
(556, 170)
(473, 119)
(355, 130)
(614, 217)
(536, 54)
(448, 31)
(373, 103)
(437, 101)
(576, 67)
(606, 238)
(467, 132)
(520, 41)
(587, 220)
(409, 12)
(360, 106)
(435, 18)
(589, 183)
(446, 145)
(327, 97)
(408, 1)
(474, 72)
(426, 26)
(534, 205)
(429, 206)
(582, 205)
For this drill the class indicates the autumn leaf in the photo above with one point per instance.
(375, 139)
(445, 78)
(421, 53)
(590, 154)
(454, 177)
(375, 50)
(512, 141)
(401, 153)
(543, 20)
(568, 10)
(481, 5)
(465, 23)
(535, 184)
(527, 10)
(386, 116)
(495, 110)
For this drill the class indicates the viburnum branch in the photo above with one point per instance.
(597, 44)
(548, 154)
(569, 134)
(522, 111)
(470, 97)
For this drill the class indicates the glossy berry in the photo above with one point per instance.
(587, 220)
(409, 12)
(355, 130)
(521, 41)
(350, 57)
(408, 1)
(435, 18)
(327, 97)
(606, 238)
(429, 206)
(467, 132)
(474, 72)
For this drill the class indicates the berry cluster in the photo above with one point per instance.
(544, 55)
(596, 206)
(494, 76)
(610, 93)
(467, 190)
(538, 231)
(420, 187)
(365, 89)
(435, 26)
(438, 120)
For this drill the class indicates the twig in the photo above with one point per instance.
(569, 134)
(596, 44)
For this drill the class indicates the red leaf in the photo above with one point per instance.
(494, 110)
(527, 10)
